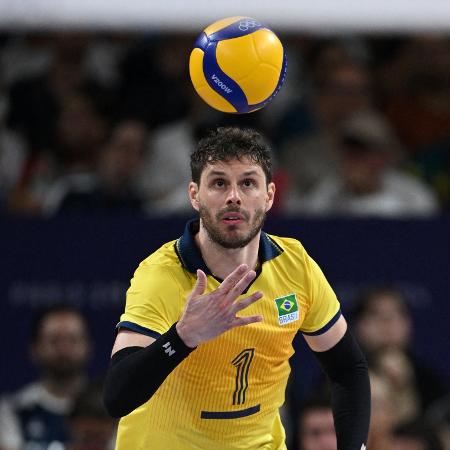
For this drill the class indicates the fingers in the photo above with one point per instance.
(200, 284)
(241, 321)
(244, 303)
(241, 285)
(234, 277)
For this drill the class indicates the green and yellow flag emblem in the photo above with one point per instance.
(287, 308)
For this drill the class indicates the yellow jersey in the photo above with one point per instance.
(227, 393)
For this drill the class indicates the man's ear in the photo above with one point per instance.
(193, 195)
(270, 195)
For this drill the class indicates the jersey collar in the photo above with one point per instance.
(191, 258)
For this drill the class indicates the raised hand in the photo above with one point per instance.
(209, 315)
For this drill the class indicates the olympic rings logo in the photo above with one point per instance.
(246, 24)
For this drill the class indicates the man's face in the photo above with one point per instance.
(62, 346)
(384, 325)
(317, 430)
(232, 200)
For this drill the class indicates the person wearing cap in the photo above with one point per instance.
(367, 181)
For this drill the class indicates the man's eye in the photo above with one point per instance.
(248, 183)
(219, 183)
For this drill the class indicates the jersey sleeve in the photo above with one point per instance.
(324, 308)
(153, 302)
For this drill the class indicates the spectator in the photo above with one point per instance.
(13, 153)
(418, 95)
(383, 416)
(316, 426)
(340, 87)
(367, 183)
(415, 435)
(383, 325)
(35, 416)
(36, 100)
(91, 427)
(112, 186)
(80, 131)
(153, 77)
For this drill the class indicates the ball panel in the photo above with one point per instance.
(215, 100)
(196, 68)
(268, 47)
(237, 57)
(216, 26)
(260, 84)
(209, 95)
(220, 82)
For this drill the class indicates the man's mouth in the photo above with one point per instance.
(232, 218)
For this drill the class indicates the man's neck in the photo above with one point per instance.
(222, 261)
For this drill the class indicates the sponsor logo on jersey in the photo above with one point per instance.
(287, 308)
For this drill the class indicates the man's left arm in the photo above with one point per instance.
(346, 367)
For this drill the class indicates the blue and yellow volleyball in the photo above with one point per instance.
(237, 65)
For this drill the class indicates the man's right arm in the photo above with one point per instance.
(140, 364)
(127, 338)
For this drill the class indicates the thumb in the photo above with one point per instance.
(200, 285)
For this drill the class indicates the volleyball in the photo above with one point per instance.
(237, 65)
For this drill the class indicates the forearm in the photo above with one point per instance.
(136, 373)
(347, 371)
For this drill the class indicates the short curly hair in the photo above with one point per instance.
(227, 143)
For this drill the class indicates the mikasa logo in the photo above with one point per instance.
(219, 83)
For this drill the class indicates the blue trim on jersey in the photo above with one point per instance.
(325, 327)
(191, 258)
(230, 414)
(138, 328)
(221, 83)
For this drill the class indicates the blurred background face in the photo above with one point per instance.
(124, 152)
(361, 170)
(62, 348)
(385, 324)
(80, 130)
(317, 430)
(344, 92)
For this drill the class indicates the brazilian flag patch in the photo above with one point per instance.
(287, 308)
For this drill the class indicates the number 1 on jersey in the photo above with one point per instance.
(242, 363)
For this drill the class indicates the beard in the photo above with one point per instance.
(62, 370)
(234, 240)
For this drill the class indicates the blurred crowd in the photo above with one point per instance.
(410, 405)
(63, 410)
(106, 122)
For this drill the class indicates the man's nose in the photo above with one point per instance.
(233, 196)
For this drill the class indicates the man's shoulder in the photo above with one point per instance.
(287, 244)
(161, 268)
(164, 256)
